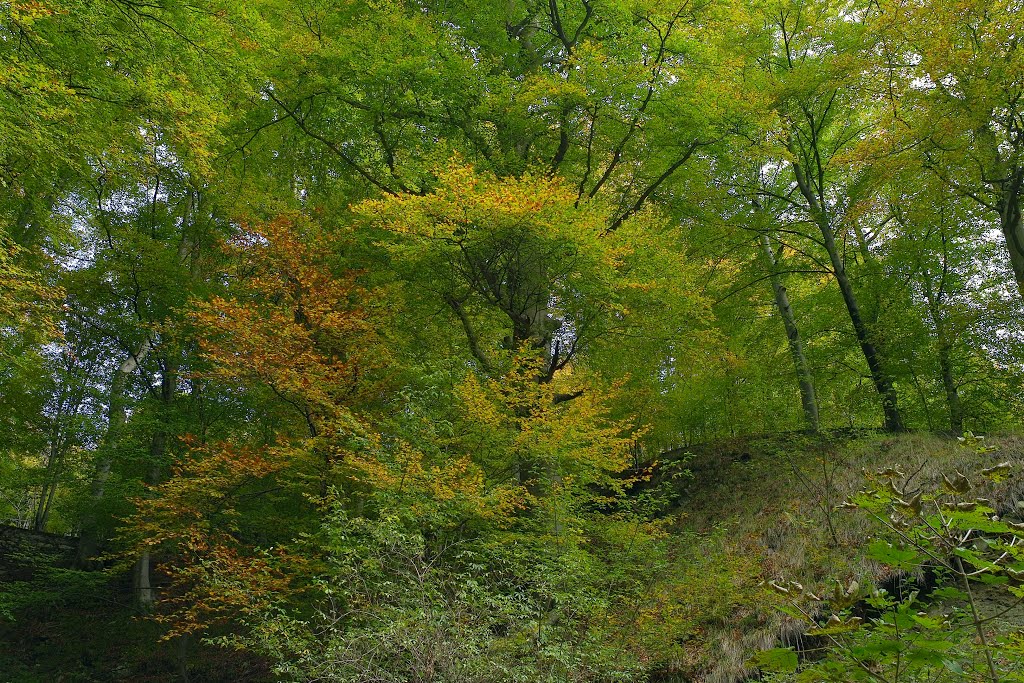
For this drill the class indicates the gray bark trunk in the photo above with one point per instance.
(116, 417)
(808, 399)
(117, 411)
(145, 594)
(1012, 225)
(1007, 190)
(54, 465)
(879, 377)
(956, 412)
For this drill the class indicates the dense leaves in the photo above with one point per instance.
(359, 332)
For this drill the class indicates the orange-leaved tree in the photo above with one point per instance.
(296, 336)
(289, 336)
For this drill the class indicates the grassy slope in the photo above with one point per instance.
(770, 502)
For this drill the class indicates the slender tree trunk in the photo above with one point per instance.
(1012, 225)
(956, 411)
(145, 594)
(54, 463)
(796, 345)
(116, 416)
(879, 377)
(182, 657)
(944, 348)
(924, 399)
(142, 584)
(117, 411)
(60, 440)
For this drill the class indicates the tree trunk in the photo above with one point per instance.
(145, 595)
(879, 376)
(956, 413)
(54, 464)
(116, 416)
(1006, 187)
(796, 345)
(143, 588)
(1012, 225)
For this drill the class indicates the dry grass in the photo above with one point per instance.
(775, 499)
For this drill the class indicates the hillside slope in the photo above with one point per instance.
(765, 509)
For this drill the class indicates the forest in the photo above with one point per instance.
(471, 341)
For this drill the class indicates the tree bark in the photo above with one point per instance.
(956, 412)
(116, 416)
(1012, 225)
(808, 399)
(143, 588)
(1006, 185)
(879, 377)
(145, 594)
(54, 466)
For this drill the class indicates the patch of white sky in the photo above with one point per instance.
(988, 277)
(77, 211)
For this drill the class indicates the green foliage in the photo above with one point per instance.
(397, 605)
(776, 660)
(946, 532)
(360, 332)
(50, 589)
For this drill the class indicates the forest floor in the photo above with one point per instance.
(765, 509)
(757, 509)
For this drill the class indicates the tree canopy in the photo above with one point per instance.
(358, 332)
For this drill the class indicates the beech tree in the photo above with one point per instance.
(358, 332)
(956, 77)
(813, 53)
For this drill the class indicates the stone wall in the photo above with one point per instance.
(22, 549)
